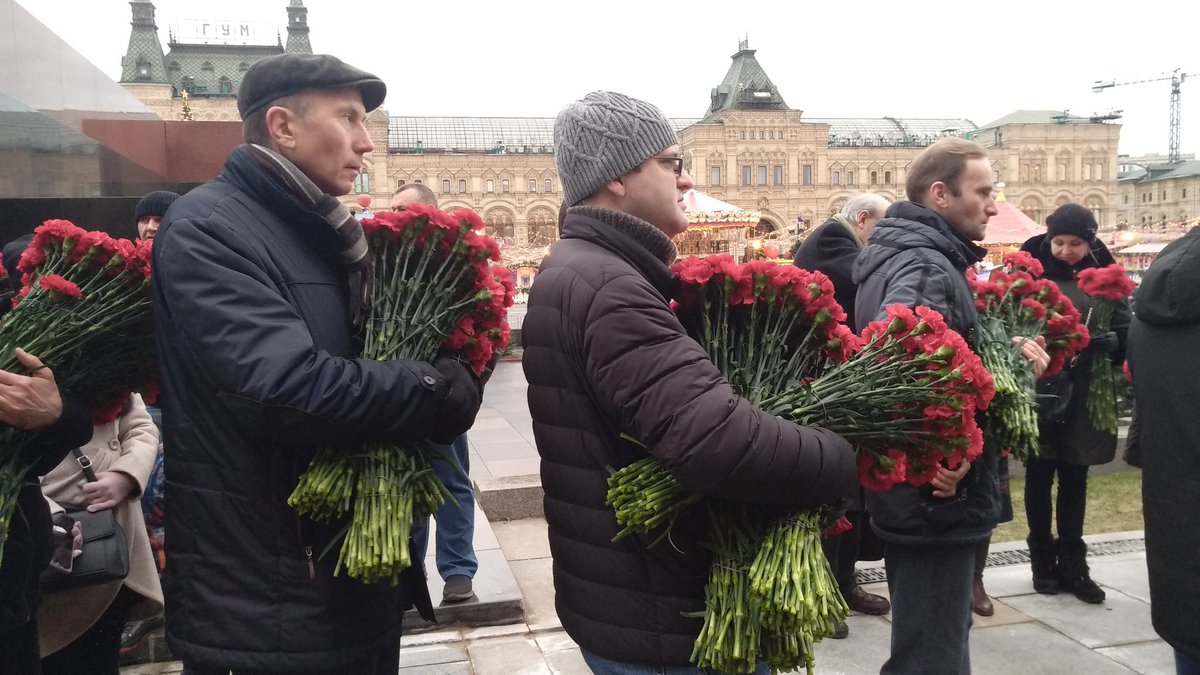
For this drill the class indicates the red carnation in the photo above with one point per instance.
(56, 284)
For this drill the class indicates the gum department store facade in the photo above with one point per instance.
(750, 149)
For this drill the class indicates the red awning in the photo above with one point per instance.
(1009, 226)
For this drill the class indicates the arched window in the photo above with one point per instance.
(462, 186)
(836, 179)
(446, 187)
(207, 66)
(533, 185)
(491, 186)
(224, 86)
(543, 226)
(874, 177)
(504, 186)
(887, 177)
(243, 67)
(499, 223)
(549, 185)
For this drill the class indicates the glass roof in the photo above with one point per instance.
(535, 135)
(890, 131)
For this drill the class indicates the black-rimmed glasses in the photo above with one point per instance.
(677, 161)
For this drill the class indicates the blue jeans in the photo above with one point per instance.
(1186, 664)
(603, 666)
(455, 551)
(930, 587)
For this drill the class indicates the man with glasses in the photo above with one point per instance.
(605, 357)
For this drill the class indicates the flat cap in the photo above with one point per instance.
(285, 74)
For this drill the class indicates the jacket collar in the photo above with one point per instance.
(642, 245)
(912, 225)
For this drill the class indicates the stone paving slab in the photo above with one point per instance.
(1034, 649)
(523, 539)
(514, 656)
(1145, 657)
(537, 585)
(863, 652)
(1120, 620)
(1126, 573)
(430, 656)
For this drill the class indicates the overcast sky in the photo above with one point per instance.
(830, 59)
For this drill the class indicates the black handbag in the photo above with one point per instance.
(105, 551)
(1054, 398)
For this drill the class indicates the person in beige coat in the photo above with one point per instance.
(80, 629)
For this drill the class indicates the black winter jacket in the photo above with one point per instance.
(1077, 440)
(1164, 361)
(832, 249)
(258, 365)
(27, 549)
(604, 354)
(914, 257)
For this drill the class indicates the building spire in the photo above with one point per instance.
(297, 41)
(143, 60)
(746, 85)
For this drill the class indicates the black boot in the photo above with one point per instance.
(1073, 572)
(1044, 560)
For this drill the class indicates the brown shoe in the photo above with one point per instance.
(867, 603)
(981, 604)
(841, 631)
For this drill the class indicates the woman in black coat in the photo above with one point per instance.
(1070, 446)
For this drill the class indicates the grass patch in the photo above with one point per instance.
(1114, 504)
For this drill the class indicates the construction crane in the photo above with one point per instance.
(1176, 78)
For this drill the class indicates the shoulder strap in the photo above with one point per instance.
(85, 463)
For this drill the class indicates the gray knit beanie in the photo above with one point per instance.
(604, 136)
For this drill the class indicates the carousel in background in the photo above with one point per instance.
(716, 227)
(1007, 230)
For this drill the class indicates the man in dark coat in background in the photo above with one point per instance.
(1164, 361)
(606, 356)
(832, 249)
(260, 281)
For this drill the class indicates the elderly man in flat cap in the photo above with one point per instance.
(606, 356)
(259, 286)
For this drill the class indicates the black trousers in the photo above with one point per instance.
(19, 649)
(98, 651)
(1072, 498)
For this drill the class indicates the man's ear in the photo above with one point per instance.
(939, 195)
(279, 126)
(616, 187)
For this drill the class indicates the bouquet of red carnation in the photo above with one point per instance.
(434, 291)
(1108, 286)
(84, 310)
(1015, 303)
(905, 394)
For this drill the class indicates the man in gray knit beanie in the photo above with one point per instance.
(603, 136)
(607, 360)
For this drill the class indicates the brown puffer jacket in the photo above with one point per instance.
(604, 354)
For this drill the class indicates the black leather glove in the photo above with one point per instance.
(1104, 343)
(464, 394)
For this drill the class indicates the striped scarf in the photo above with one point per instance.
(356, 257)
